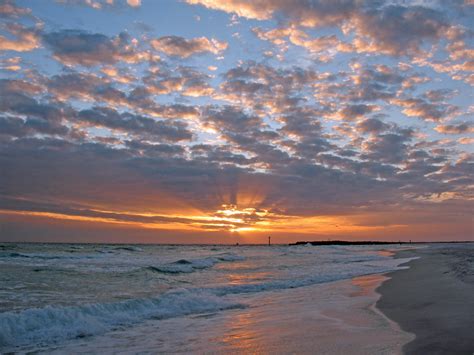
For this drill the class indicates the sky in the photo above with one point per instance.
(225, 121)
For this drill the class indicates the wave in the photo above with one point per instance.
(188, 266)
(13, 255)
(52, 324)
(128, 248)
(30, 256)
(43, 256)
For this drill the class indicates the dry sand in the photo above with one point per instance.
(434, 299)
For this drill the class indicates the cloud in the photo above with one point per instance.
(23, 115)
(8, 9)
(11, 64)
(265, 88)
(230, 118)
(466, 140)
(390, 29)
(76, 47)
(9, 86)
(92, 88)
(131, 124)
(397, 30)
(465, 127)
(325, 46)
(308, 14)
(134, 3)
(426, 110)
(372, 125)
(16, 102)
(352, 112)
(18, 127)
(84, 86)
(181, 47)
(101, 4)
(388, 148)
(26, 39)
(185, 80)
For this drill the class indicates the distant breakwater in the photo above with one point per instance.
(346, 242)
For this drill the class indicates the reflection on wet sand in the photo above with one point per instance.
(242, 334)
(313, 319)
(367, 284)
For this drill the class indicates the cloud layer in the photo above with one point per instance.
(303, 118)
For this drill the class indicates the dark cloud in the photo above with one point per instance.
(89, 87)
(128, 123)
(230, 118)
(184, 48)
(372, 125)
(387, 148)
(154, 150)
(24, 115)
(73, 47)
(352, 112)
(398, 30)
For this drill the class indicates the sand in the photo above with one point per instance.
(434, 299)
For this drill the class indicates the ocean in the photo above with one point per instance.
(173, 298)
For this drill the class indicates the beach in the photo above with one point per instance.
(389, 299)
(433, 299)
(196, 299)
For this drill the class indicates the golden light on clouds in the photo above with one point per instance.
(300, 119)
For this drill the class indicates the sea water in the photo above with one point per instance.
(56, 295)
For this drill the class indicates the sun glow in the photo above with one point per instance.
(251, 223)
(240, 219)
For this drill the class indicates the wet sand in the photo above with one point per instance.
(433, 299)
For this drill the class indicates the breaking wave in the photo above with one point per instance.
(51, 324)
(187, 266)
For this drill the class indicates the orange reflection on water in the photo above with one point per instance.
(241, 279)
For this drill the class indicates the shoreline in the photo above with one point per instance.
(432, 299)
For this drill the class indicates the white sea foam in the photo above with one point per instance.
(51, 324)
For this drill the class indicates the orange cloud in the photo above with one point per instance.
(26, 39)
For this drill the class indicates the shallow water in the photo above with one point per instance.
(53, 294)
